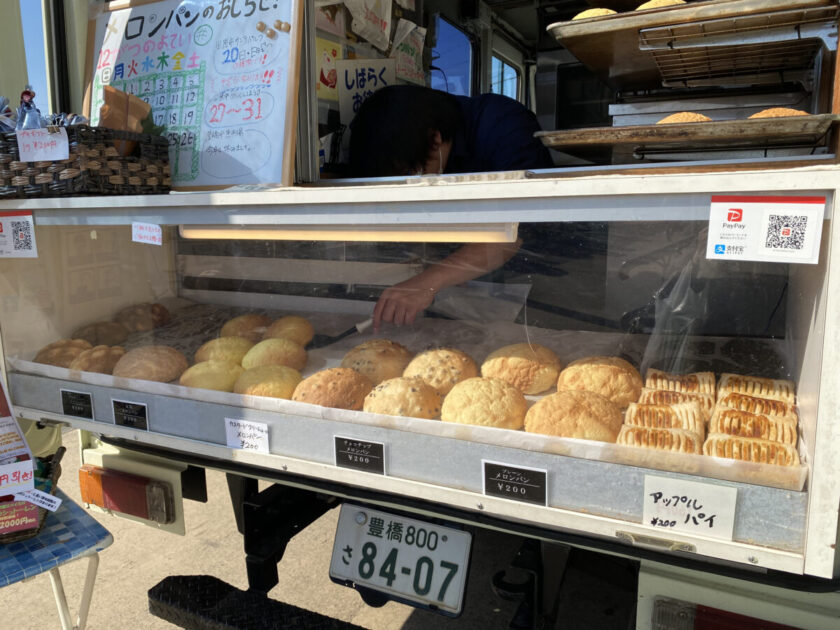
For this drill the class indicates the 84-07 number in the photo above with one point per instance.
(423, 570)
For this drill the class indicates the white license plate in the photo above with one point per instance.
(413, 561)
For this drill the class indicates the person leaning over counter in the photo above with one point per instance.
(414, 130)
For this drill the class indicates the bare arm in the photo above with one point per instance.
(400, 303)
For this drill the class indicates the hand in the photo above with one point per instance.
(400, 303)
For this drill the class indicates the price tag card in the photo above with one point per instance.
(146, 233)
(689, 506)
(130, 414)
(17, 234)
(43, 145)
(529, 485)
(78, 404)
(360, 454)
(771, 229)
(248, 435)
(41, 499)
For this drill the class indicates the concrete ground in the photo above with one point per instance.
(141, 556)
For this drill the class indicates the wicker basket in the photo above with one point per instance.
(94, 167)
(54, 462)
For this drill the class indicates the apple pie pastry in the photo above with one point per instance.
(772, 388)
(751, 450)
(751, 425)
(763, 406)
(685, 416)
(696, 382)
(676, 440)
(666, 397)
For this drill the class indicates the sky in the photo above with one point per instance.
(33, 38)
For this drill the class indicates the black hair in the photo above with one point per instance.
(393, 130)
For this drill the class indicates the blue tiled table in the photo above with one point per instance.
(69, 533)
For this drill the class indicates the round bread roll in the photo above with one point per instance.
(273, 381)
(402, 396)
(102, 333)
(101, 359)
(152, 363)
(224, 349)
(341, 388)
(591, 13)
(778, 112)
(62, 352)
(575, 414)
(212, 374)
(655, 4)
(442, 368)
(684, 117)
(611, 377)
(277, 351)
(530, 368)
(298, 329)
(142, 317)
(490, 402)
(378, 359)
(251, 326)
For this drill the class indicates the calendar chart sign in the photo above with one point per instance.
(220, 76)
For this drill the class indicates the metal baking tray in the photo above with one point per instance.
(751, 132)
(622, 49)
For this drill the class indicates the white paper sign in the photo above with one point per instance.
(689, 506)
(358, 79)
(39, 145)
(17, 235)
(41, 499)
(770, 229)
(371, 20)
(248, 435)
(147, 233)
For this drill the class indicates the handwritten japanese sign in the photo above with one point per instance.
(220, 75)
(358, 79)
(689, 506)
(246, 434)
(146, 233)
(35, 145)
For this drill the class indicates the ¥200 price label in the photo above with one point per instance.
(689, 506)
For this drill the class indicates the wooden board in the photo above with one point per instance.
(609, 45)
(725, 133)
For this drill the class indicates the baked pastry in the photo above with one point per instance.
(676, 440)
(575, 414)
(142, 317)
(277, 351)
(100, 359)
(102, 333)
(655, 4)
(530, 368)
(251, 326)
(212, 374)
(750, 450)
(683, 117)
(402, 396)
(152, 363)
(341, 388)
(62, 352)
(273, 381)
(695, 383)
(442, 368)
(778, 112)
(378, 359)
(686, 416)
(772, 388)
(490, 402)
(761, 406)
(293, 327)
(611, 377)
(666, 397)
(591, 13)
(751, 425)
(224, 349)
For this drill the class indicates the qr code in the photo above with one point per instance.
(22, 235)
(786, 231)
